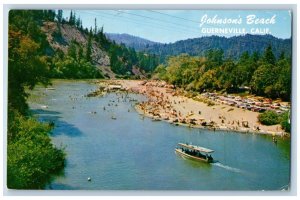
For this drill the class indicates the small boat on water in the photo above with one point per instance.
(194, 152)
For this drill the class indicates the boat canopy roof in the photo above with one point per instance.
(196, 148)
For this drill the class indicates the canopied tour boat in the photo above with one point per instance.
(194, 152)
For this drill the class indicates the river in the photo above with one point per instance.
(133, 152)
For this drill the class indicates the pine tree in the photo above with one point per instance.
(282, 56)
(255, 56)
(74, 18)
(78, 22)
(269, 57)
(95, 30)
(81, 27)
(80, 53)
(71, 18)
(59, 16)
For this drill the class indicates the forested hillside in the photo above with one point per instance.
(43, 45)
(233, 47)
(135, 42)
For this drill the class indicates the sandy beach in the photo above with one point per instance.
(168, 104)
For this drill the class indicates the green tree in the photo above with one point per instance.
(245, 68)
(255, 57)
(72, 50)
(32, 158)
(268, 56)
(80, 53)
(95, 29)
(208, 81)
(72, 18)
(229, 75)
(269, 118)
(266, 75)
(214, 58)
(161, 72)
(48, 15)
(282, 86)
(78, 23)
(26, 68)
(285, 121)
(263, 80)
(59, 16)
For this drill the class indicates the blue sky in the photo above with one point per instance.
(172, 25)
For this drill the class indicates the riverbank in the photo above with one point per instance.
(169, 104)
(131, 146)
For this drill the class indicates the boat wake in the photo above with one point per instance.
(227, 167)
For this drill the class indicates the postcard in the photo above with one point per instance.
(149, 99)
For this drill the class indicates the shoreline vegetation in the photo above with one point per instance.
(179, 107)
(32, 159)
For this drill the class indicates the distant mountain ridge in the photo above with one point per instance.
(135, 42)
(233, 46)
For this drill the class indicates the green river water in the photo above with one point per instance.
(135, 153)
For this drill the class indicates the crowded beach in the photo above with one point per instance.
(207, 110)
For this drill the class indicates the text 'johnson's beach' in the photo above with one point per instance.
(178, 107)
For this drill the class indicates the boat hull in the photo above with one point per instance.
(185, 155)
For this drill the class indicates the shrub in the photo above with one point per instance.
(269, 118)
(31, 157)
(285, 122)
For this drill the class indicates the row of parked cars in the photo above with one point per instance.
(255, 104)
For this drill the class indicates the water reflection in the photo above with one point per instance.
(61, 127)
